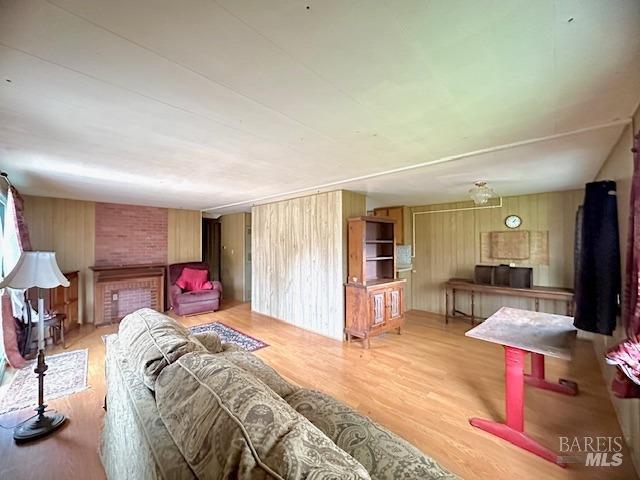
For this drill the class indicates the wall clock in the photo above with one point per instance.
(513, 221)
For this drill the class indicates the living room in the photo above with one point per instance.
(289, 239)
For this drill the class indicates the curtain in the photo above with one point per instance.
(631, 305)
(15, 240)
(598, 273)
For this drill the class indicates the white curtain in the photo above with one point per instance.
(11, 251)
(11, 243)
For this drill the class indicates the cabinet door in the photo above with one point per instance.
(377, 303)
(395, 303)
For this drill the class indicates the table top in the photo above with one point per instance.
(537, 332)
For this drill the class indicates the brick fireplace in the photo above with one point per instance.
(130, 258)
(121, 290)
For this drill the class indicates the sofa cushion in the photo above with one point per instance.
(199, 296)
(385, 455)
(228, 424)
(153, 340)
(256, 367)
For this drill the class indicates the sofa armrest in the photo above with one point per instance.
(217, 286)
(174, 291)
(232, 347)
(210, 341)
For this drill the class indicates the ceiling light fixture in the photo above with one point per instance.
(481, 193)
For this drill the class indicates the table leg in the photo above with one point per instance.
(473, 304)
(537, 304)
(513, 429)
(446, 306)
(537, 378)
(64, 344)
(453, 302)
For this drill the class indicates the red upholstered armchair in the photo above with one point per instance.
(190, 303)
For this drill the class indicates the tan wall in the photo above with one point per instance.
(299, 267)
(448, 245)
(66, 227)
(184, 230)
(619, 167)
(232, 261)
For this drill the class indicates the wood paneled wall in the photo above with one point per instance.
(448, 245)
(184, 241)
(233, 254)
(299, 265)
(68, 228)
(619, 167)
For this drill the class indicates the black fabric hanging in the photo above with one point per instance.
(597, 267)
(577, 249)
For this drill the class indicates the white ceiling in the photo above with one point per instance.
(203, 103)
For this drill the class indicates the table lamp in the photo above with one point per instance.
(37, 269)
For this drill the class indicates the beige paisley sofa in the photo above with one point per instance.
(183, 406)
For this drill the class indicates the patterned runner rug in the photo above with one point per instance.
(67, 374)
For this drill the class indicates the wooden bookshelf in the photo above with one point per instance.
(374, 298)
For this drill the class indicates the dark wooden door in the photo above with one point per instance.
(211, 246)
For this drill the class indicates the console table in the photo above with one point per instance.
(536, 293)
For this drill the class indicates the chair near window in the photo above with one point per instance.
(63, 304)
(54, 325)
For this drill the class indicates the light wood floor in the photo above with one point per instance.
(424, 385)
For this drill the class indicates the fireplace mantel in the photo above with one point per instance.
(126, 271)
(119, 290)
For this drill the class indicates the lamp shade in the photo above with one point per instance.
(35, 269)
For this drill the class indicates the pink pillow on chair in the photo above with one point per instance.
(193, 279)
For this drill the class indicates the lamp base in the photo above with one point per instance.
(38, 426)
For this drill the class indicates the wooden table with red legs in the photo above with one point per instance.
(521, 332)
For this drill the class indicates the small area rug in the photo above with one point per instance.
(230, 335)
(67, 374)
